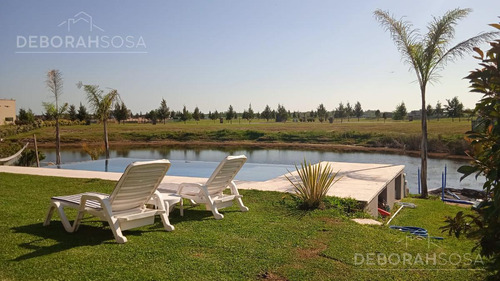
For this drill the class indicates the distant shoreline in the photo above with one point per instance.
(260, 145)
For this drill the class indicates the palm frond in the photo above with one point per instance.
(465, 47)
(93, 96)
(54, 82)
(401, 32)
(442, 30)
(404, 36)
(50, 109)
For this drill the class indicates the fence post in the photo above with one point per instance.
(418, 179)
(36, 151)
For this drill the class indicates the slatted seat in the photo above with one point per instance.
(126, 207)
(211, 193)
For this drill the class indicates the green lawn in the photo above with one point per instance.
(271, 241)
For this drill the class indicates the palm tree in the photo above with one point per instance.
(55, 84)
(101, 104)
(428, 54)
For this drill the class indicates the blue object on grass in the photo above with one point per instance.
(422, 232)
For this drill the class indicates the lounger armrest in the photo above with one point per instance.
(188, 184)
(102, 199)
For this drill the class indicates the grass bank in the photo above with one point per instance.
(445, 136)
(270, 242)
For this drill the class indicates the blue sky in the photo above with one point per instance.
(212, 54)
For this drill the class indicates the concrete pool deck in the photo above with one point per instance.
(368, 183)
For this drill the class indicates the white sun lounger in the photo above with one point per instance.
(211, 193)
(126, 207)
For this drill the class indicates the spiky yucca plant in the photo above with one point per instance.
(313, 183)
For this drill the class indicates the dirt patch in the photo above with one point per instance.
(331, 221)
(309, 253)
(459, 205)
(271, 276)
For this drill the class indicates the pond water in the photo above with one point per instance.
(284, 157)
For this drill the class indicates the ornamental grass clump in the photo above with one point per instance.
(312, 183)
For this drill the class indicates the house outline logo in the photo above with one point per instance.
(92, 40)
(78, 18)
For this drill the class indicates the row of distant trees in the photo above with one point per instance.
(453, 109)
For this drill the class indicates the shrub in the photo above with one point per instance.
(485, 224)
(313, 183)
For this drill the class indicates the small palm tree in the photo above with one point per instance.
(102, 105)
(427, 55)
(313, 183)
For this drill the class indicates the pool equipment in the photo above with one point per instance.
(402, 204)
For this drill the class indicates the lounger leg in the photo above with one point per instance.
(243, 208)
(181, 207)
(166, 222)
(215, 211)
(234, 191)
(49, 215)
(117, 231)
(77, 221)
(64, 220)
(164, 206)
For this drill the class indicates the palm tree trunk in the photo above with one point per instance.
(58, 143)
(106, 143)
(423, 147)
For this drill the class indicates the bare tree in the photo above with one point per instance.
(55, 84)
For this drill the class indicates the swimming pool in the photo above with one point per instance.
(249, 172)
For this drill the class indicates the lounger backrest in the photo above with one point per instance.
(137, 184)
(225, 173)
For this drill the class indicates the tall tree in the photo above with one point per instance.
(358, 111)
(400, 112)
(26, 117)
(196, 114)
(101, 104)
(152, 115)
(82, 114)
(321, 111)
(163, 111)
(428, 54)
(230, 114)
(454, 109)
(214, 116)
(438, 110)
(429, 110)
(377, 114)
(185, 115)
(348, 111)
(340, 112)
(250, 114)
(55, 84)
(266, 114)
(121, 112)
(281, 114)
(72, 112)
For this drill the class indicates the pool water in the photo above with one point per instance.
(249, 172)
(274, 163)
